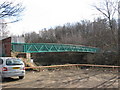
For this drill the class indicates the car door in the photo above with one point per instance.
(1, 65)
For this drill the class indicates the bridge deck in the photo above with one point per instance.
(51, 47)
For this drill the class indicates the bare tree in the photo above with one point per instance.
(11, 11)
(108, 8)
(3, 29)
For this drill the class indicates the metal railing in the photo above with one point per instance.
(51, 47)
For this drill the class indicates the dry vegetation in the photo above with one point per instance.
(66, 78)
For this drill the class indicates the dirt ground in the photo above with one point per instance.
(67, 78)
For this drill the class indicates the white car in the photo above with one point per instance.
(10, 67)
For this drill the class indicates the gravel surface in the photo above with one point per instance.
(69, 78)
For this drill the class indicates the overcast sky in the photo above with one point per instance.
(41, 14)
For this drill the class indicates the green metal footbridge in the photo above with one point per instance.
(51, 47)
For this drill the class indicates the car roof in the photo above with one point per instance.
(7, 57)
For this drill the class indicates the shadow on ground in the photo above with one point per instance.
(9, 80)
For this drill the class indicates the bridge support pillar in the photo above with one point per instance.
(28, 56)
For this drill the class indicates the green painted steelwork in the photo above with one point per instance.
(51, 47)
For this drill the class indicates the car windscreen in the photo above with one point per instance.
(14, 61)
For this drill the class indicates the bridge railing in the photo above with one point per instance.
(51, 47)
